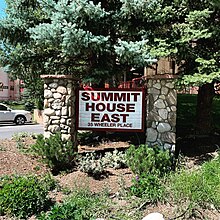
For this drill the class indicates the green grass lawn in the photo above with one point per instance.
(17, 107)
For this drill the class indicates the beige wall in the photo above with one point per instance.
(38, 116)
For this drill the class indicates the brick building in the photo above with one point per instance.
(9, 89)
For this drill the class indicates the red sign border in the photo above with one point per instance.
(143, 90)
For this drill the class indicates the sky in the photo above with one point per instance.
(2, 8)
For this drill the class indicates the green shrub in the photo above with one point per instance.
(49, 182)
(144, 160)
(64, 211)
(95, 164)
(115, 159)
(56, 153)
(92, 164)
(149, 165)
(81, 205)
(29, 106)
(149, 187)
(85, 136)
(22, 196)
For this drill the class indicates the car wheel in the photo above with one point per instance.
(20, 120)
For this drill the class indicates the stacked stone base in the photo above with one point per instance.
(161, 113)
(59, 106)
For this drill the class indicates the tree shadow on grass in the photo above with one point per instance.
(197, 145)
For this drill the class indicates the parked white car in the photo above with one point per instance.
(16, 116)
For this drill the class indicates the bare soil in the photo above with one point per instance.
(13, 161)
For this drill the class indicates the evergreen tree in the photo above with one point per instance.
(189, 32)
(192, 36)
(85, 38)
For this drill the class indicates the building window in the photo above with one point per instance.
(1, 86)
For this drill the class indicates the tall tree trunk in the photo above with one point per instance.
(204, 122)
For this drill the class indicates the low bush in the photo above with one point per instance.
(49, 182)
(144, 160)
(150, 164)
(115, 159)
(29, 106)
(56, 153)
(149, 186)
(92, 164)
(95, 164)
(22, 196)
(81, 205)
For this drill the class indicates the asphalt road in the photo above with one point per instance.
(8, 130)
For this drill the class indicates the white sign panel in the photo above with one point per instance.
(111, 109)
